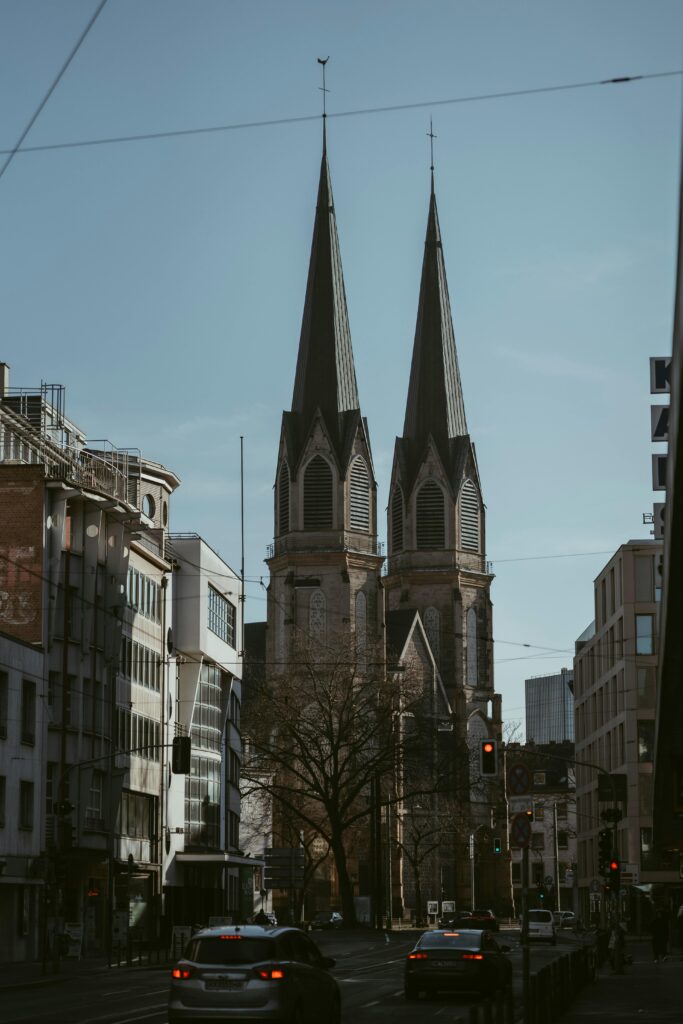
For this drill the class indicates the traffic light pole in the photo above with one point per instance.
(525, 934)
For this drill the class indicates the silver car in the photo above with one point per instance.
(252, 973)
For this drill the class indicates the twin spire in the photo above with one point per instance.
(325, 373)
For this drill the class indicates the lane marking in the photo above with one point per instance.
(117, 1020)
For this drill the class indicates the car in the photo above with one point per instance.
(542, 926)
(246, 972)
(327, 919)
(460, 919)
(483, 919)
(457, 960)
(564, 918)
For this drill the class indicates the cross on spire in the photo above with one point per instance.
(431, 137)
(322, 87)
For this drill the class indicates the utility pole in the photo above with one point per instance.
(556, 857)
(472, 870)
(525, 933)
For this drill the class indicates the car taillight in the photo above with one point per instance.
(270, 973)
(472, 956)
(417, 956)
(181, 973)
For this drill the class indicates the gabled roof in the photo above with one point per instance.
(325, 373)
(435, 403)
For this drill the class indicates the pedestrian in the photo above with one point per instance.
(660, 935)
(679, 924)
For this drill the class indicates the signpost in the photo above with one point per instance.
(519, 779)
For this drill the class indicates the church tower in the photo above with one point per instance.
(436, 515)
(324, 566)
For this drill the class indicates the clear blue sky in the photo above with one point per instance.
(163, 281)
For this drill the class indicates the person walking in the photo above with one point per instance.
(660, 935)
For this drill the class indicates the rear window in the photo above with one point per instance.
(231, 949)
(453, 940)
(541, 916)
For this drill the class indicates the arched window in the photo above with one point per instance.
(283, 499)
(361, 629)
(429, 508)
(317, 615)
(397, 519)
(318, 495)
(359, 496)
(471, 647)
(470, 529)
(432, 624)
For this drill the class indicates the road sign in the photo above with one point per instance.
(548, 880)
(284, 868)
(595, 885)
(519, 779)
(520, 830)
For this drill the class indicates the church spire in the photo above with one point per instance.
(325, 372)
(435, 403)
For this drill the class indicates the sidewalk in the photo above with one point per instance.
(646, 992)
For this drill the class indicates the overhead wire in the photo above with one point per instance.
(358, 112)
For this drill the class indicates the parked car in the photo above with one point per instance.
(542, 926)
(483, 919)
(246, 971)
(461, 919)
(327, 919)
(564, 918)
(457, 960)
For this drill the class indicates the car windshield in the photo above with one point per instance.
(540, 915)
(229, 949)
(453, 940)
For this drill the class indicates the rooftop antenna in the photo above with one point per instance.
(322, 87)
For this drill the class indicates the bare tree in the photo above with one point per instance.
(328, 732)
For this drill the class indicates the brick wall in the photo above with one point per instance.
(22, 491)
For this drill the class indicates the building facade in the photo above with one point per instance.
(615, 672)
(549, 706)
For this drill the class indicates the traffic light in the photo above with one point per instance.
(496, 845)
(614, 875)
(529, 813)
(182, 755)
(488, 757)
(541, 893)
(604, 850)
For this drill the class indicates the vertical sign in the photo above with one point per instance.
(660, 384)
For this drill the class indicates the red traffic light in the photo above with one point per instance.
(488, 748)
(614, 865)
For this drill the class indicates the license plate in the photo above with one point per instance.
(223, 983)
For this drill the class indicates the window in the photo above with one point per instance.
(361, 630)
(537, 871)
(469, 517)
(537, 840)
(25, 805)
(136, 815)
(539, 810)
(646, 849)
(202, 803)
(516, 872)
(3, 786)
(283, 498)
(562, 810)
(318, 495)
(4, 685)
(643, 577)
(539, 778)
(646, 740)
(94, 806)
(645, 643)
(222, 616)
(28, 711)
(208, 712)
(563, 840)
(471, 629)
(429, 508)
(359, 496)
(397, 519)
(317, 615)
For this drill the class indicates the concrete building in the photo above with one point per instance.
(89, 665)
(553, 847)
(549, 704)
(615, 673)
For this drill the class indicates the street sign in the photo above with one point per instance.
(284, 868)
(569, 877)
(520, 830)
(548, 880)
(595, 885)
(448, 906)
(519, 779)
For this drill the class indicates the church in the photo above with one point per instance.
(422, 613)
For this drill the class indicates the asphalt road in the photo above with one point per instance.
(369, 970)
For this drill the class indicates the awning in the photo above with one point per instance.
(231, 859)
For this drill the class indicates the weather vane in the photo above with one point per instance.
(431, 136)
(322, 87)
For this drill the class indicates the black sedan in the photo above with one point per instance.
(462, 960)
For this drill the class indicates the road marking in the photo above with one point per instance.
(366, 1006)
(156, 1007)
(144, 1016)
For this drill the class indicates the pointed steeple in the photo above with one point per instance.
(325, 372)
(435, 403)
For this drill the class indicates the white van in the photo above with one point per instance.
(541, 926)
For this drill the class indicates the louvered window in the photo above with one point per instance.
(469, 517)
(429, 506)
(283, 499)
(318, 495)
(359, 496)
(397, 519)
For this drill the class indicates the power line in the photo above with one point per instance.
(55, 83)
(360, 112)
